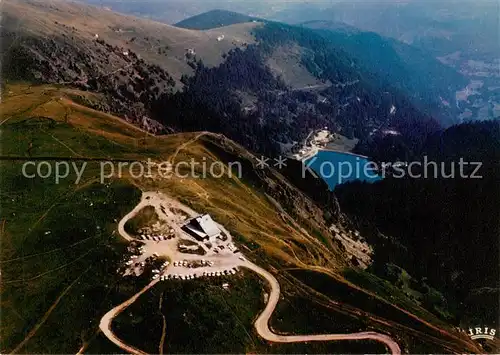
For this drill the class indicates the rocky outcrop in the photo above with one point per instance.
(128, 83)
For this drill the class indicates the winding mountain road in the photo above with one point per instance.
(105, 324)
(262, 322)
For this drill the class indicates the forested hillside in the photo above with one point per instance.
(246, 100)
(417, 74)
(444, 232)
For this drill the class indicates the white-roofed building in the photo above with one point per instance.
(203, 228)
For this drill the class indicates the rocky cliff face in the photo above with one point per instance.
(127, 81)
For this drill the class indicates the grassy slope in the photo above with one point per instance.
(72, 213)
(156, 42)
(58, 252)
(91, 134)
(202, 317)
(32, 207)
(144, 218)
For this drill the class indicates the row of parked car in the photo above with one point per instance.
(192, 276)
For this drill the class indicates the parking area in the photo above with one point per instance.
(181, 244)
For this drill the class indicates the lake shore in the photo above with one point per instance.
(340, 152)
(330, 165)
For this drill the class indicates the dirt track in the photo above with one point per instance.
(105, 324)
